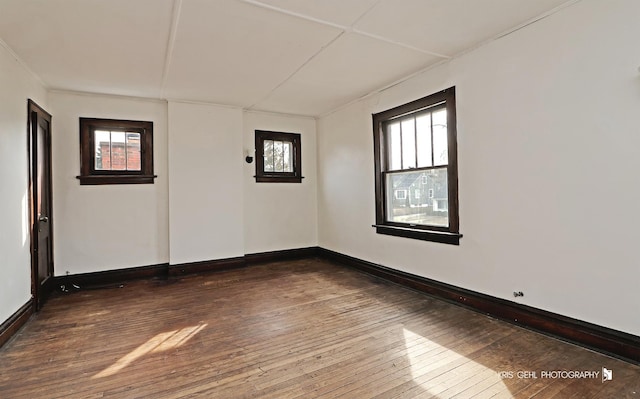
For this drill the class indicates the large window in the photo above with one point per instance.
(115, 151)
(278, 158)
(416, 169)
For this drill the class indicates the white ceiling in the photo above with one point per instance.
(303, 57)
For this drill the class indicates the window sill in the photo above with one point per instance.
(278, 179)
(116, 179)
(419, 234)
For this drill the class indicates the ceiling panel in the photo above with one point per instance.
(115, 46)
(274, 55)
(449, 26)
(235, 53)
(339, 12)
(352, 66)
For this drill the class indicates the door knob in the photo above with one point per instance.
(43, 219)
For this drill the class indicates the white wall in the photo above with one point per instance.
(195, 211)
(280, 215)
(548, 138)
(16, 87)
(106, 227)
(205, 192)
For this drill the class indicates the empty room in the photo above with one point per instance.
(319, 199)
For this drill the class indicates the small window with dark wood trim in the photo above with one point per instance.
(116, 151)
(278, 158)
(416, 169)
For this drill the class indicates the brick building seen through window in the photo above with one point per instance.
(114, 155)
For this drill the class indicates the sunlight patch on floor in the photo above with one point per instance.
(161, 342)
(431, 368)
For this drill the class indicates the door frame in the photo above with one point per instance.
(39, 292)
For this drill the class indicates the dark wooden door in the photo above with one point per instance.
(41, 193)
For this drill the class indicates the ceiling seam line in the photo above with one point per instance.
(387, 40)
(341, 27)
(366, 12)
(54, 90)
(283, 114)
(175, 20)
(202, 102)
(401, 44)
(296, 14)
(291, 75)
(518, 27)
(452, 58)
(538, 18)
(384, 88)
(23, 64)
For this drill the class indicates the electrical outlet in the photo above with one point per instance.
(518, 293)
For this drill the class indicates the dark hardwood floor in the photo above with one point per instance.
(304, 328)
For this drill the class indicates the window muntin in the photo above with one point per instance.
(115, 151)
(415, 147)
(278, 157)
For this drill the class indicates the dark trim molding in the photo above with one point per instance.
(15, 322)
(241, 261)
(286, 254)
(445, 99)
(206, 266)
(41, 283)
(263, 176)
(611, 342)
(117, 277)
(88, 173)
(443, 237)
(111, 277)
(164, 270)
(47, 287)
(605, 340)
(104, 179)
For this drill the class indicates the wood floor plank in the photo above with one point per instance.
(297, 329)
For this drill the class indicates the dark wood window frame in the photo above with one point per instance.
(88, 173)
(263, 176)
(448, 234)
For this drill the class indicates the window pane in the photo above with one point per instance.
(102, 157)
(395, 147)
(278, 156)
(408, 144)
(423, 135)
(133, 151)
(428, 207)
(268, 155)
(118, 152)
(440, 148)
(287, 156)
